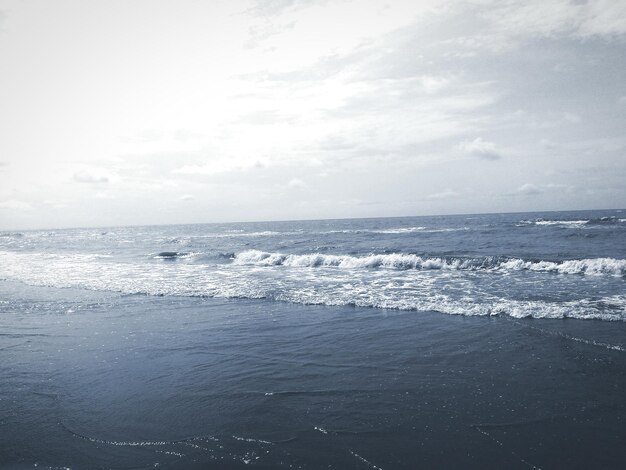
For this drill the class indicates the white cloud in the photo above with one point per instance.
(433, 84)
(528, 189)
(531, 189)
(480, 148)
(187, 197)
(494, 26)
(448, 193)
(55, 204)
(143, 136)
(92, 175)
(103, 196)
(558, 17)
(14, 204)
(296, 183)
(219, 166)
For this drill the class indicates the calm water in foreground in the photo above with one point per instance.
(484, 341)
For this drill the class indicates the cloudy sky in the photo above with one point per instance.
(146, 112)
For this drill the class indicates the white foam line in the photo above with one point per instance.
(195, 446)
(591, 266)
(364, 460)
(591, 342)
(249, 439)
(614, 347)
(501, 444)
(186, 441)
(169, 452)
(53, 468)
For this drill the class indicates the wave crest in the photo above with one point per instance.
(593, 266)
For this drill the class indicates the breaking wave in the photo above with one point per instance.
(401, 284)
(594, 266)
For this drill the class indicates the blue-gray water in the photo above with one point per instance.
(483, 341)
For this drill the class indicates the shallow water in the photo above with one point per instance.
(97, 379)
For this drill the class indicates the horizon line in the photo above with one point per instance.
(303, 220)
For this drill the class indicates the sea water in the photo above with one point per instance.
(552, 265)
(482, 341)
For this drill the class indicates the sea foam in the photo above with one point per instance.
(593, 266)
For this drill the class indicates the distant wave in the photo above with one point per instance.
(241, 233)
(594, 266)
(396, 230)
(608, 220)
(573, 223)
(565, 223)
(561, 222)
(185, 240)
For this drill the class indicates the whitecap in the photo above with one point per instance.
(591, 266)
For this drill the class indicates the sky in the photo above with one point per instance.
(132, 112)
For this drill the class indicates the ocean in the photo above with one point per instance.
(467, 341)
